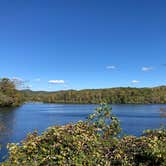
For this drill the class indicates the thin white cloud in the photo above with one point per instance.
(17, 79)
(135, 81)
(111, 67)
(37, 79)
(49, 87)
(56, 81)
(28, 87)
(20, 83)
(65, 86)
(20, 80)
(145, 69)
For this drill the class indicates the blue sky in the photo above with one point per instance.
(77, 44)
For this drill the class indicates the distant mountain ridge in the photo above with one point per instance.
(43, 91)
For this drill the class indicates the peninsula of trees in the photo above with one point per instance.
(9, 96)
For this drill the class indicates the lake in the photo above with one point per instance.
(15, 123)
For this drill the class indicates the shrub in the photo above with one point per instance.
(95, 141)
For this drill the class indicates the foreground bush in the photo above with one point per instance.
(93, 142)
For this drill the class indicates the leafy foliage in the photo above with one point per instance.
(95, 141)
(107, 124)
(9, 96)
(112, 96)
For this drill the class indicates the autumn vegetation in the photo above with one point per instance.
(9, 96)
(156, 95)
(96, 141)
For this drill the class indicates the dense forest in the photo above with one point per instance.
(9, 96)
(94, 96)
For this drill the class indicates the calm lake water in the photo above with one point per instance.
(16, 123)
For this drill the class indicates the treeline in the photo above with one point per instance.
(9, 96)
(94, 96)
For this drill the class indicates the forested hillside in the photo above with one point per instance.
(9, 96)
(113, 96)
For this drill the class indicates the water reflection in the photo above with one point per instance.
(7, 120)
(2, 127)
(163, 112)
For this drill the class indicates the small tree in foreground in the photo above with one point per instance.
(105, 122)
